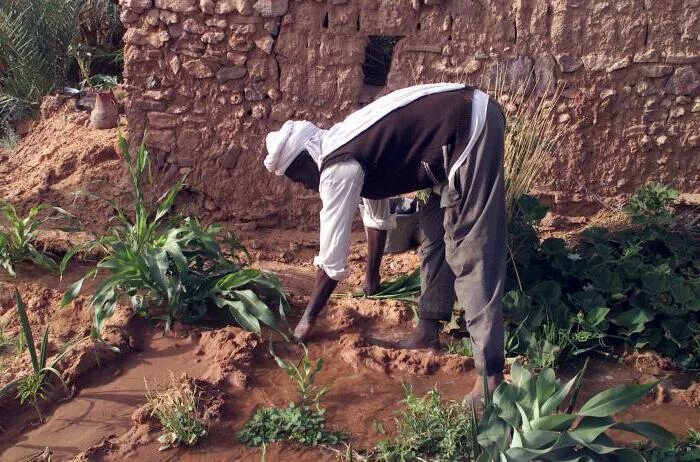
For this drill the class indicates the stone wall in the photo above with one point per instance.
(211, 77)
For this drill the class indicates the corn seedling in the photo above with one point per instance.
(178, 411)
(18, 238)
(176, 263)
(33, 387)
(303, 374)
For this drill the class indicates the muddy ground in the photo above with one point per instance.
(101, 419)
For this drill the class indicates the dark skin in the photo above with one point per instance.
(305, 171)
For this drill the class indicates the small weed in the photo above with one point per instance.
(462, 347)
(4, 339)
(299, 424)
(178, 411)
(429, 429)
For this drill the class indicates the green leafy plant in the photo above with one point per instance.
(18, 238)
(523, 421)
(637, 286)
(298, 422)
(303, 374)
(431, 430)
(462, 347)
(179, 412)
(686, 450)
(177, 265)
(652, 204)
(32, 387)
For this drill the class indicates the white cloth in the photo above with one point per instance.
(340, 188)
(285, 144)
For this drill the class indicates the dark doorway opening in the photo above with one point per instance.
(378, 55)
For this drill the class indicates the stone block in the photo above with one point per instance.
(161, 120)
(207, 6)
(213, 37)
(141, 37)
(135, 4)
(265, 43)
(181, 6)
(152, 18)
(169, 17)
(237, 59)
(225, 74)
(603, 62)
(197, 69)
(189, 139)
(420, 48)
(219, 23)
(240, 44)
(244, 7)
(160, 139)
(281, 112)
(682, 58)
(684, 81)
(271, 8)
(656, 70)
(194, 27)
(259, 111)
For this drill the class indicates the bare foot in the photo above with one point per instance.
(304, 328)
(476, 396)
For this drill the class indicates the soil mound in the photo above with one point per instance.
(61, 155)
(229, 351)
(359, 352)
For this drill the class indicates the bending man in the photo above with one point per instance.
(446, 137)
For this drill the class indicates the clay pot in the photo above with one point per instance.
(105, 114)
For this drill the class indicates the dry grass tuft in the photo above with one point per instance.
(179, 412)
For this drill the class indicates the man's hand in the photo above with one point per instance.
(376, 239)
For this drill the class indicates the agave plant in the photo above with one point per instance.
(175, 263)
(523, 421)
(33, 386)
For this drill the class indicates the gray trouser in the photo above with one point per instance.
(463, 254)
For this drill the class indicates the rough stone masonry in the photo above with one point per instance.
(210, 77)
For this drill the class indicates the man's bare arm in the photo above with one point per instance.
(376, 239)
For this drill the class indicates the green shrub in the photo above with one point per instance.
(638, 286)
(176, 264)
(431, 430)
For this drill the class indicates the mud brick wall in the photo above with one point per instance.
(211, 77)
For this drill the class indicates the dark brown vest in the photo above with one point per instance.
(410, 148)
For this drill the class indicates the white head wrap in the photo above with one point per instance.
(284, 145)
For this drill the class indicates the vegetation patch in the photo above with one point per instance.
(176, 264)
(302, 423)
(431, 430)
(179, 412)
(638, 286)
